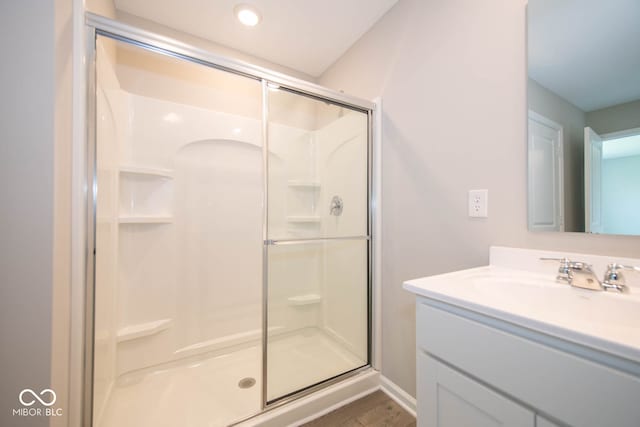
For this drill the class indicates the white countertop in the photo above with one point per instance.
(605, 321)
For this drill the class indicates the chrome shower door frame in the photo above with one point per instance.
(96, 25)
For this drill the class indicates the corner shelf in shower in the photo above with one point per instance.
(143, 329)
(307, 299)
(295, 183)
(304, 219)
(145, 219)
(146, 171)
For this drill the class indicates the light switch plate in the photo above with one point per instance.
(479, 203)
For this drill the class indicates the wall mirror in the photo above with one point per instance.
(583, 92)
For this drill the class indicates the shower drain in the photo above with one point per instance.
(247, 382)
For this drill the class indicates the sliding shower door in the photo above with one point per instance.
(317, 260)
(230, 238)
(179, 235)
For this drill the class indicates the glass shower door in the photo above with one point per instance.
(317, 244)
(179, 234)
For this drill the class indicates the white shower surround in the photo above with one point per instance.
(155, 280)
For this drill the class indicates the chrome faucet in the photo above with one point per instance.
(580, 275)
(576, 273)
(614, 279)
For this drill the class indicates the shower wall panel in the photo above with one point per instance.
(201, 270)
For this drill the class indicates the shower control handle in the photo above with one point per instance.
(336, 206)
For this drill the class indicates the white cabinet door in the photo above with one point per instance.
(543, 422)
(447, 398)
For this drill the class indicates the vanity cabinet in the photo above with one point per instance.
(476, 370)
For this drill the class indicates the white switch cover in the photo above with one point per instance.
(479, 203)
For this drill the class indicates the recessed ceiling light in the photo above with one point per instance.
(247, 14)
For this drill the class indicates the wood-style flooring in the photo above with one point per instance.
(374, 410)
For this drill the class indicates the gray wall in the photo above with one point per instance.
(616, 118)
(572, 119)
(452, 76)
(26, 207)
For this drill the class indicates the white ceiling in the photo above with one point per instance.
(586, 51)
(306, 35)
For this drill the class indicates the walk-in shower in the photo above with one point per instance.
(231, 227)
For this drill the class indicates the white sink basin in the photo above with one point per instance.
(601, 320)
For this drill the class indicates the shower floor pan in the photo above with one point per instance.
(213, 391)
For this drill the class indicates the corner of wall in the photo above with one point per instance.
(61, 250)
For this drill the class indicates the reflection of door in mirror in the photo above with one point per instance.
(612, 182)
(545, 180)
(592, 181)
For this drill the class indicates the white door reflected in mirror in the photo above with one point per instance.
(545, 153)
(593, 181)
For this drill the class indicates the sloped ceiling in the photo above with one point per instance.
(306, 35)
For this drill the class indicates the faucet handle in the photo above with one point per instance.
(614, 279)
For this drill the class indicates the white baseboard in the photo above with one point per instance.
(401, 397)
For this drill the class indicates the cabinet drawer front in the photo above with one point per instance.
(571, 389)
(448, 398)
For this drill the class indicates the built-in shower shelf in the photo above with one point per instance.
(143, 329)
(295, 183)
(304, 219)
(146, 171)
(307, 299)
(145, 219)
